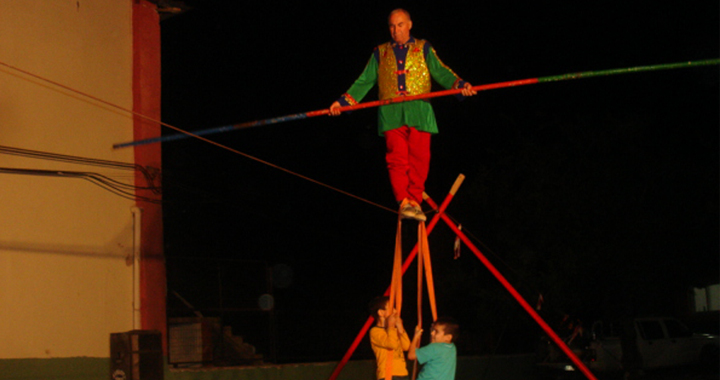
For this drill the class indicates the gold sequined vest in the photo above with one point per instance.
(417, 75)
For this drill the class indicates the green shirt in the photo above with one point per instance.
(439, 361)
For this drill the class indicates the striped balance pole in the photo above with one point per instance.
(401, 99)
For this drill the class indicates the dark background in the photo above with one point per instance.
(601, 194)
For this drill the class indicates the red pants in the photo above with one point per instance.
(408, 161)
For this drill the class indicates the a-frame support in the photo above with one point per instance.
(441, 215)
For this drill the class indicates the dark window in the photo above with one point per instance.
(650, 330)
(676, 329)
(613, 330)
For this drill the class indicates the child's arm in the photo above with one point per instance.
(386, 338)
(379, 337)
(402, 334)
(415, 343)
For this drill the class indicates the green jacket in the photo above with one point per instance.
(417, 113)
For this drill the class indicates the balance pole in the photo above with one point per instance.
(400, 99)
(580, 365)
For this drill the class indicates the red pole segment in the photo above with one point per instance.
(580, 365)
(405, 266)
(436, 94)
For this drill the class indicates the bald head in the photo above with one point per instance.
(400, 10)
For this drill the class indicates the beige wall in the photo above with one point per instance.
(65, 279)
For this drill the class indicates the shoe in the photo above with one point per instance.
(411, 210)
(419, 214)
(407, 210)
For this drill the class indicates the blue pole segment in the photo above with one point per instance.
(210, 131)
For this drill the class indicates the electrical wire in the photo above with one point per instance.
(118, 188)
(96, 99)
(150, 174)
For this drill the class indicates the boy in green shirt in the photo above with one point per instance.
(439, 358)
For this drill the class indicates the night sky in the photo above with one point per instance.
(599, 193)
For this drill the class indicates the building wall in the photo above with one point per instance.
(66, 244)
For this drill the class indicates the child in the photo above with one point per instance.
(439, 358)
(388, 335)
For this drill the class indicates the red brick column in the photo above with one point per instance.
(146, 101)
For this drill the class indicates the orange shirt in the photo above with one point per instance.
(381, 341)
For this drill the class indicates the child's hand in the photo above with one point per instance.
(392, 320)
(399, 325)
(415, 341)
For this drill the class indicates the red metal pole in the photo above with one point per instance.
(580, 365)
(405, 266)
(401, 99)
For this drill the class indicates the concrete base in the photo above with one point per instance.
(510, 367)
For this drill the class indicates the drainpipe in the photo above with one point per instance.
(137, 224)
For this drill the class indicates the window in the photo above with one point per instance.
(650, 330)
(675, 329)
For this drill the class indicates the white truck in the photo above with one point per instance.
(652, 342)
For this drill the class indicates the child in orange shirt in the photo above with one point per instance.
(388, 334)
